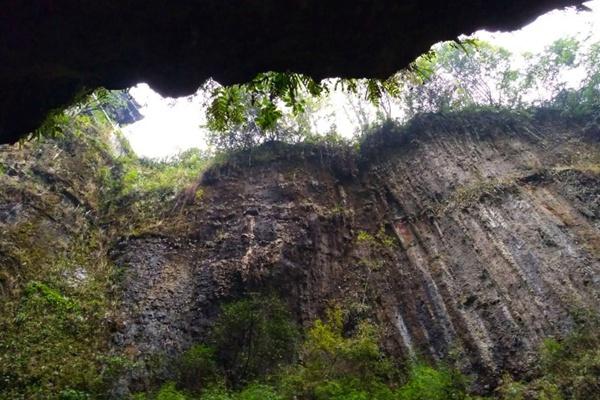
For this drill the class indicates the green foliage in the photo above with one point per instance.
(243, 116)
(569, 368)
(55, 340)
(385, 239)
(254, 391)
(427, 383)
(52, 127)
(476, 75)
(543, 74)
(340, 364)
(453, 76)
(335, 365)
(456, 77)
(216, 393)
(573, 364)
(511, 390)
(254, 337)
(231, 106)
(57, 122)
(51, 296)
(70, 394)
(381, 239)
(258, 392)
(146, 186)
(365, 237)
(198, 368)
(228, 108)
(164, 177)
(585, 100)
(168, 391)
(352, 389)
(53, 317)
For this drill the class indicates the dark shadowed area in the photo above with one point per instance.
(53, 50)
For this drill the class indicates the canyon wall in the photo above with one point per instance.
(469, 237)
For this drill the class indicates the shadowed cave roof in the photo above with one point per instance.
(52, 49)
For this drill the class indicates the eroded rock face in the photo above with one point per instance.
(478, 236)
(53, 241)
(51, 50)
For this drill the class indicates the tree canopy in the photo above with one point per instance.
(452, 76)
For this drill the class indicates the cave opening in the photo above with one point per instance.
(425, 226)
(167, 126)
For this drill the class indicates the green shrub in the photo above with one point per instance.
(428, 383)
(511, 390)
(330, 353)
(216, 393)
(168, 391)
(253, 391)
(71, 394)
(165, 176)
(336, 364)
(333, 363)
(254, 337)
(51, 296)
(352, 389)
(197, 367)
(138, 396)
(258, 392)
(573, 364)
(51, 348)
(381, 240)
(568, 369)
(365, 237)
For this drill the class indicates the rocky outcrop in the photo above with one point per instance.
(55, 276)
(52, 50)
(470, 236)
(123, 108)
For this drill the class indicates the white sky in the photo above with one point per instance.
(173, 125)
(169, 125)
(549, 27)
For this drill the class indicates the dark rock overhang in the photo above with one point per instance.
(52, 49)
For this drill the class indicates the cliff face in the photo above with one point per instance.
(55, 276)
(472, 236)
(469, 237)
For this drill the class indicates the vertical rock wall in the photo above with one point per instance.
(470, 237)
